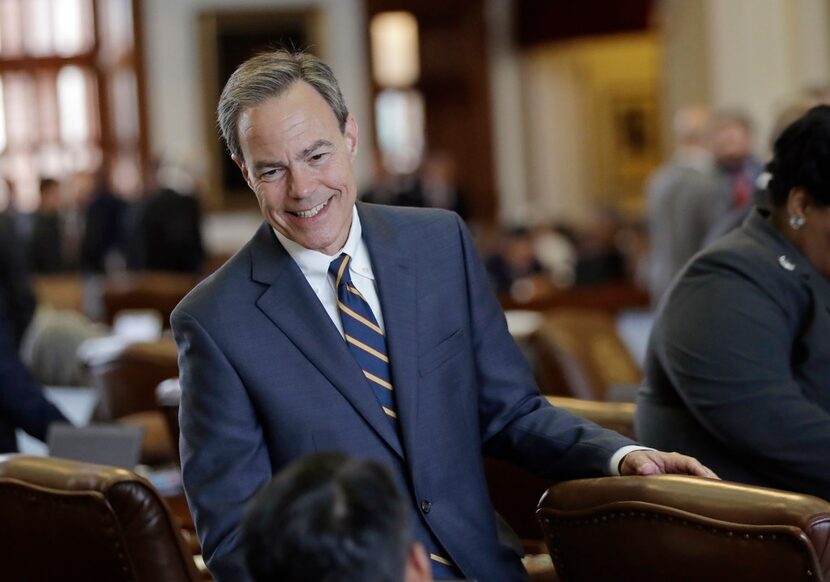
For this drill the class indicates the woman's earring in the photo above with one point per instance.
(797, 222)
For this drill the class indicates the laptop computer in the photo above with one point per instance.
(116, 445)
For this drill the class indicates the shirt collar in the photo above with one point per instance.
(315, 265)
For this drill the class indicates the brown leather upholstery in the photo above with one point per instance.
(127, 378)
(515, 492)
(158, 291)
(126, 383)
(68, 521)
(610, 297)
(684, 528)
(618, 416)
(59, 291)
(579, 354)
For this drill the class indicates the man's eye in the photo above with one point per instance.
(319, 157)
(270, 174)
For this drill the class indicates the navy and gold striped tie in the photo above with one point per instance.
(364, 336)
(367, 343)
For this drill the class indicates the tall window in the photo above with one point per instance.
(69, 97)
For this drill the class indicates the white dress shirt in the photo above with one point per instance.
(315, 267)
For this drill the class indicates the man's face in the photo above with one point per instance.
(299, 165)
(731, 145)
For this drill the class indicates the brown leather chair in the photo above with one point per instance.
(126, 381)
(59, 291)
(579, 354)
(158, 291)
(618, 416)
(683, 528)
(69, 521)
(516, 492)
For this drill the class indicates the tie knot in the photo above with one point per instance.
(339, 269)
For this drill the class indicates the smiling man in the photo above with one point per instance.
(363, 329)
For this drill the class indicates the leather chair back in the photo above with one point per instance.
(683, 528)
(69, 521)
(150, 290)
(126, 381)
(516, 492)
(581, 355)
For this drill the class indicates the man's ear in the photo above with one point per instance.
(240, 162)
(417, 565)
(350, 135)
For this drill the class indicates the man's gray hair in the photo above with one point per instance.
(269, 75)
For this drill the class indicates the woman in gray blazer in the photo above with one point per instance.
(738, 366)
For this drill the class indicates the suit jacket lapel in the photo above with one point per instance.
(396, 281)
(293, 307)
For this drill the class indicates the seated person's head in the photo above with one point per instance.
(330, 518)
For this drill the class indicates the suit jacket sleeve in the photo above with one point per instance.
(22, 404)
(733, 369)
(224, 459)
(516, 422)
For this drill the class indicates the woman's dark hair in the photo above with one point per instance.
(801, 158)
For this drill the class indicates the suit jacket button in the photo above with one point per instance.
(426, 506)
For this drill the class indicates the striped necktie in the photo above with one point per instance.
(363, 335)
(367, 343)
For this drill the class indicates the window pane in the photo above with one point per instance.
(36, 19)
(399, 121)
(19, 167)
(11, 36)
(72, 99)
(123, 96)
(117, 30)
(50, 161)
(47, 106)
(71, 23)
(21, 122)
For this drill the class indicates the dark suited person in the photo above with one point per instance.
(680, 201)
(103, 226)
(22, 404)
(427, 379)
(44, 245)
(168, 234)
(334, 518)
(738, 365)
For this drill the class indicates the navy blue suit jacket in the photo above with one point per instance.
(267, 378)
(22, 404)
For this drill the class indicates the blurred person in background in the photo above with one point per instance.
(599, 259)
(44, 247)
(22, 403)
(166, 231)
(8, 204)
(515, 270)
(679, 201)
(102, 242)
(103, 237)
(738, 364)
(333, 518)
(555, 250)
(736, 172)
(436, 185)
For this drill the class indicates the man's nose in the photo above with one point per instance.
(302, 182)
